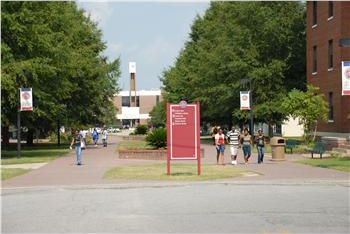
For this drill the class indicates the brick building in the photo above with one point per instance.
(138, 114)
(328, 44)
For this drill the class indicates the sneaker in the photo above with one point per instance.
(234, 162)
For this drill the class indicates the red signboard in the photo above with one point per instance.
(183, 129)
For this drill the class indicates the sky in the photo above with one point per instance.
(148, 33)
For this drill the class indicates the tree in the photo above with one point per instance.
(158, 115)
(259, 41)
(55, 49)
(310, 107)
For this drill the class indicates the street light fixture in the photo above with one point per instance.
(243, 82)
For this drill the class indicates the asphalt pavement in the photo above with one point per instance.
(190, 208)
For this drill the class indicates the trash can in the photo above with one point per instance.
(277, 148)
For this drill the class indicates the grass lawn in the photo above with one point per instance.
(134, 145)
(7, 173)
(31, 156)
(179, 172)
(341, 164)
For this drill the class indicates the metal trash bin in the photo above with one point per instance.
(277, 148)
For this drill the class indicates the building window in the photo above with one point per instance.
(137, 101)
(330, 9)
(157, 99)
(314, 59)
(330, 105)
(125, 101)
(314, 12)
(330, 54)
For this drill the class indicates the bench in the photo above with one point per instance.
(319, 148)
(290, 144)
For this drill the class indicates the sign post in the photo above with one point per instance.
(183, 133)
(25, 104)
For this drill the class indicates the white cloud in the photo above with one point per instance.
(115, 48)
(99, 12)
(156, 51)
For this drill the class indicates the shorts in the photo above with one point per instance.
(234, 150)
(220, 148)
(246, 150)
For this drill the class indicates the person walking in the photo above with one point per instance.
(214, 131)
(260, 144)
(95, 137)
(76, 141)
(233, 137)
(104, 137)
(220, 146)
(83, 135)
(246, 141)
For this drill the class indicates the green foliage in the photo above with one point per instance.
(38, 155)
(8, 173)
(157, 138)
(260, 41)
(65, 138)
(55, 49)
(340, 164)
(310, 107)
(158, 115)
(141, 130)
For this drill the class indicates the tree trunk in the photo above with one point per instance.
(5, 135)
(30, 136)
(270, 130)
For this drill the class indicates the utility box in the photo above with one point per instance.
(277, 148)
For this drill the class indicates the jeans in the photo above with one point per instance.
(246, 151)
(260, 154)
(78, 153)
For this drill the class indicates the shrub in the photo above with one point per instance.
(141, 130)
(65, 138)
(157, 138)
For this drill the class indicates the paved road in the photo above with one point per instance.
(194, 207)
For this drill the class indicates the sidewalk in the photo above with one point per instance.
(96, 161)
(64, 171)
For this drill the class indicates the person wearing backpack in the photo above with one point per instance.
(95, 137)
(260, 144)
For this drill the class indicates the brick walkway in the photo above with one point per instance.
(96, 161)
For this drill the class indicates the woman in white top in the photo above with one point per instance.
(104, 137)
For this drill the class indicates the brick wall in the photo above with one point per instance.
(329, 80)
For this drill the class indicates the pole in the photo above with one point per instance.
(251, 108)
(19, 125)
(198, 140)
(58, 133)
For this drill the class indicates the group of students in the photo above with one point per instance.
(237, 140)
(79, 142)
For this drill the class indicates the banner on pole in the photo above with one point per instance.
(26, 99)
(345, 71)
(245, 100)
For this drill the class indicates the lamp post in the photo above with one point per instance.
(18, 118)
(251, 125)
